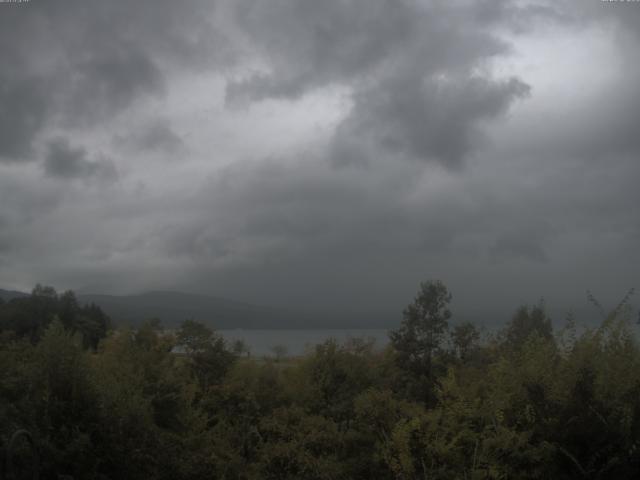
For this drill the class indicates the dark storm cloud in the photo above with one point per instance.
(157, 136)
(77, 63)
(65, 161)
(5, 243)
(106, 84)
(268, 212)
(302, 217)
(520, 244)
(22, 202)
(23, 108)
(359, 215)
(428, 119)
(414, 70)
(274, 231)
(281, 233)
(62, 160)
(309, 44)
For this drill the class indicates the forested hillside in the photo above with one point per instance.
(441, 402)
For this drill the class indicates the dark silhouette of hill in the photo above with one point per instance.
(173, 307)
(7, 295)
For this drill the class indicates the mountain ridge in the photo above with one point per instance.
(172, 307)
(7, 295)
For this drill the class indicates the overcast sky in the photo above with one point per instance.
(322, 154)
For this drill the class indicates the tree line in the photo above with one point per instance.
(441, 401)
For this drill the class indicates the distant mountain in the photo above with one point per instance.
(173, 307)
(7, 295)
(220, 313)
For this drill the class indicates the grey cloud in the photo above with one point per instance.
(296, 219)
(281, 232)
(106, 84)
(65, 161)
(599, 131)
(21, 203)
(621, 13)
(309, 44)
(608, 125)
(23, 108)
(157, 137)
(5, 242)
(275, 211)
(520, 244)
(526, 217)
(414, 69)
(75, 63)
(62, 160)
(428, 118)
(521, 17)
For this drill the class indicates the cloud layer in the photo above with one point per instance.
(322, 155)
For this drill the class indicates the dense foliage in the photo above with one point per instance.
(439, 402)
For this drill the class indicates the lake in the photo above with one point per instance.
(298, 342)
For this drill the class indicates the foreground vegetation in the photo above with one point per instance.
(438, 403)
